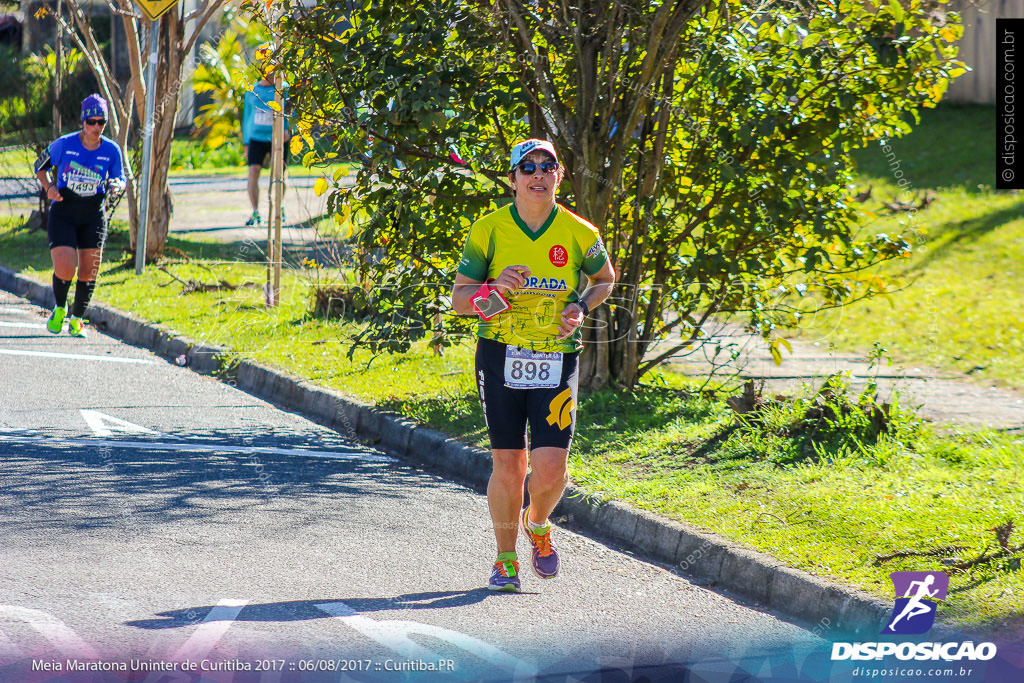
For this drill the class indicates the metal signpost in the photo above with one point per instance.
(153, 9)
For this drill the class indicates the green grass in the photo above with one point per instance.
(663, 448)
(187, 159)
(962, 307)
(17, 162)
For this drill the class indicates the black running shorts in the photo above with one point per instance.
(549, 412)
(77, 223)
(259, 151)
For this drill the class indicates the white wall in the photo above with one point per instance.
(978, 48)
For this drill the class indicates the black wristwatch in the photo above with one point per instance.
(584, 306)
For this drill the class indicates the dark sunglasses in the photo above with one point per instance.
(95, 122)
(529, 168)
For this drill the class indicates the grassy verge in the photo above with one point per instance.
(17, 162)
(665, 448)
(963, 306)
(187, 159)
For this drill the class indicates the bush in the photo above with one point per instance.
(187, 154)
(29, 108)
(342, 302)
(826, 425)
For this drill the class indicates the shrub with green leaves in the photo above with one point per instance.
(710, 142)
(224, 73)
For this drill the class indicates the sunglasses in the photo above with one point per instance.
(95, 122)
(529, 167)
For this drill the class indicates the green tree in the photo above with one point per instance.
(224, 72)
(709, 142)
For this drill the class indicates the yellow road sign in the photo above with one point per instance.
(154, 8)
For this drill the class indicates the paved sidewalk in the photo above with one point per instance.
(217, 207)
(943, 396)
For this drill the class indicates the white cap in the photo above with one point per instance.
(520, 151)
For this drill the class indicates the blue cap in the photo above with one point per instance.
(523, 148)
(94, 107)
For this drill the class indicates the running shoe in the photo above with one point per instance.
(254, 219)
(56, 322)
(505, 575)
(544, 560)
(76, 327)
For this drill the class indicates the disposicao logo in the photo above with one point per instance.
(917, 595)
(914, 612)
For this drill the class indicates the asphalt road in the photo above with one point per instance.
(155, 514)
(27, 187)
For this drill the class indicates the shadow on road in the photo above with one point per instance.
(303, 610)
(70, 483)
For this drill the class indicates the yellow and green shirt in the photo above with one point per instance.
(558, 255)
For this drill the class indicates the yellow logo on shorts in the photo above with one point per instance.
(561, 409)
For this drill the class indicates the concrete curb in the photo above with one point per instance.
(832, 608)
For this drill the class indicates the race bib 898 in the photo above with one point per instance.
(526, 369)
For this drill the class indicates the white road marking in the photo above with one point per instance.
(102, 424)
(394, 635)
(13, 310)
(197, 447)
(75, 356)
(28, 326)
(53, 629)
(209, 631)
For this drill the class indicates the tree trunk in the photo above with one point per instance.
(168, 86)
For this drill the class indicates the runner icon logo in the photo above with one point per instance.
(917, 594)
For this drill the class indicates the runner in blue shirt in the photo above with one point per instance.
(87, 166)
(258, 129)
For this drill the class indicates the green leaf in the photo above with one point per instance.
(897, 10)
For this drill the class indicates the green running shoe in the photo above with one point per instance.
(76, 327)
(56, 322)
(505, 574)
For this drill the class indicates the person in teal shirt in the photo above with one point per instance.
(257, 131)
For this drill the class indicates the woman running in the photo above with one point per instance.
(87, 166)
(521, 272)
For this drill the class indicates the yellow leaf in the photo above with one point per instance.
(339, 173)
(956, 72)
(295, 144)
(320, 186)
(951, 33)
(274, 105)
